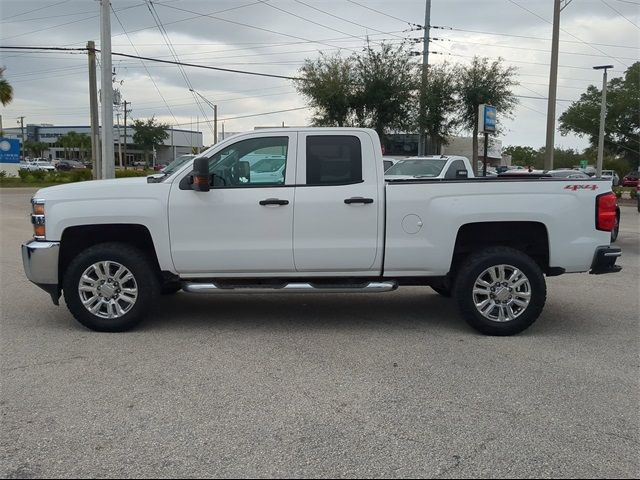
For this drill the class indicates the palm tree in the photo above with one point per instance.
(6, 90)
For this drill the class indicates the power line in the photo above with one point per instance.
(343, 19)
(143, 64)
(380, 12)
(165, 35)
(519, 48)
(35, 10)
(233, 22)
(564, 31)
(309, 20)
(525, 36)
(620, 13)
(249, 116)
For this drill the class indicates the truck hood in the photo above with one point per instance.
(95, 189)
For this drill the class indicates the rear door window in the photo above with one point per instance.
(333, 160)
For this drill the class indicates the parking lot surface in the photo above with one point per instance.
(331, 385)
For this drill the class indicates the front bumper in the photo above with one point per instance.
(40, 260)
(604, 260)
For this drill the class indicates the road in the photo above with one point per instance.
(335, 385)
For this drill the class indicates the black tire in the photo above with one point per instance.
(442, 290)
(616, 229)
(475, 265)
(139, 266)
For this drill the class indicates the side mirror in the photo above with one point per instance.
(462, 174)
(201, 176)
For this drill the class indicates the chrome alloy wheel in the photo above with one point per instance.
(501, 293)
(108, 289)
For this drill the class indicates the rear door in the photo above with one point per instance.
(338, 204)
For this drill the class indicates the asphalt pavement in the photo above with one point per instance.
(331, 385)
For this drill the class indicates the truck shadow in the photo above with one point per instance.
(410, 308)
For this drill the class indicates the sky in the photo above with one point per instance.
(276, 36)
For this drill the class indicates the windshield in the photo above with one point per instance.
(176, 164)
(417, 168)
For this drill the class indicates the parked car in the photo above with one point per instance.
(631, 179)
(176, 164)
(38, 164)
(432, 166)
(611, 174)
(66, 165)
(388, 162)
(566, 173)
(332, 223)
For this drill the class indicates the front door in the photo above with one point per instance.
(244, 225)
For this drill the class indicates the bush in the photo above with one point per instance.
(130, 173)
(38, 175)
(22, 173)
(632, 191)
(80, 175)
(3, 174)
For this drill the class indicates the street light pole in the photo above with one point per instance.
(215, 114)
(603, 116)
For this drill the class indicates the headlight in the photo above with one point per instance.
(37, 219)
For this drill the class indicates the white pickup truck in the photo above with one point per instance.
(326, 222)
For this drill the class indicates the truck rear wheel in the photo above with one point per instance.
(500, 291)
(109, 287)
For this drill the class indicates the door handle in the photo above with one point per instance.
(352, 200)
(274, 201)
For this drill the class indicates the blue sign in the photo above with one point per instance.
(9, 150)
(490, 114)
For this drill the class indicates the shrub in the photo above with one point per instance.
(80, 175)
(3, 174)
(38, 175)
(130, 173)
(22, 173)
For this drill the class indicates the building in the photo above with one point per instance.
(178, 142)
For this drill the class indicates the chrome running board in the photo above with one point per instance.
(294, 287)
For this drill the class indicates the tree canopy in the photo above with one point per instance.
(6, 90)
(148, 134)
(622, 125)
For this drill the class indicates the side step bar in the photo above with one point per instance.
(294, 287)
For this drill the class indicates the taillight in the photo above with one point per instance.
(606, 211)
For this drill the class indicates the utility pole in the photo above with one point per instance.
(215, 124)
(119, 140)
(215, 114)
(422, 138)
(125, 133)
(558, 6)
(106, 84)
(603, 116)
(21, 122)
(93, 108)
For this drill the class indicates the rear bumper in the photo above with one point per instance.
(40, 260)
(604, 260)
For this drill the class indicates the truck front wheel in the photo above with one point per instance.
(500, 291)
(109, 287)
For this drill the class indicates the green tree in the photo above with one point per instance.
(622, 125)
(373, 89)
(328, 83)
(385, 89)
(484, 82)
(6, 90)
(35, 148)
(148, 134)
(523, 156)
(438, 95)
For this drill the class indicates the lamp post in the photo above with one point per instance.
(603, 115)
(215, 115)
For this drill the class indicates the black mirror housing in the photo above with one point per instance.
(201, 176)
